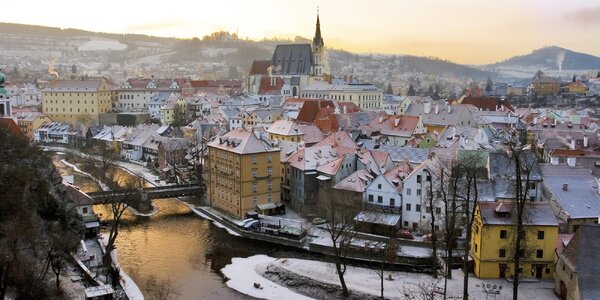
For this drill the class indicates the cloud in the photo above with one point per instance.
(155, 26)
(589, 16)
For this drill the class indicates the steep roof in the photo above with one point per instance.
(78, 197)
(356, 182)
(339, 138)
(260, 67)
(284, 127)
(310, 109)
(292, 59)
(534, 213)
(242, 141)
(487, 103)
(270, 86)
(395, 125)
(11, 126)
(88, 85)
(582, 255)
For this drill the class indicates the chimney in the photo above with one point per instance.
(585, 141)
(572, 146)
(345, 109)
(396, 122)
(437, 108)
(380, 119)
(535, 120)
(449, 108)
(427, 107)
(565, 186)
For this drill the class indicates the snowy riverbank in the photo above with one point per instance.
(287, 277)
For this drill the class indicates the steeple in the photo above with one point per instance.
(318, 40)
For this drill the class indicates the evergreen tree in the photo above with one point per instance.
(389, 90)
(574, 78)
(489, 85)
(411, 91)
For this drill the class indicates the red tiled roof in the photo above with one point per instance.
(350, 107)
(260, 67)
(567, 153)
(11, 125)
(311, 108)
(487, 103)
(328, 125)
(267, 88)
(216, 83)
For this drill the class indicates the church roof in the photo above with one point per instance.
(292, 59)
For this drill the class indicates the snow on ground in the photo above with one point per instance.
(242, 273)
(76, 169)
(367, 281)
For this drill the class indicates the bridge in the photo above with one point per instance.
(148, 193)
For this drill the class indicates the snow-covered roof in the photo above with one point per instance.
(378, 218)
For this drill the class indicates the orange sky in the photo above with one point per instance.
(465, 31)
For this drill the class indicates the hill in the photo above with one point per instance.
(552, 58)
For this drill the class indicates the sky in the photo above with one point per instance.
(464, 31)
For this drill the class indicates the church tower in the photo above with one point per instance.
(318, 51)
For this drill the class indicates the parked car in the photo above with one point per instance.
(244, 222)
(251, 225)
(319, 221)
(405, 234)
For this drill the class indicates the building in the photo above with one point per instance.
(244, 171)
(493, 236)
(573, 194)
(30, 121)
(301, 64)
(5, 101)
(576, 276)
(546, 86)
(76, 101)
(364, 95)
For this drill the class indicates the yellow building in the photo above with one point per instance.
(578, 88)
(76, 101)
(365, 95)
(244, 173)
(170, 110)
(30, 121)
(285, 130)
(546, 86)
(493, 239)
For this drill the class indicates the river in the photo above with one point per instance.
(177, 246)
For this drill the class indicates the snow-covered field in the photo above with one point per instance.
(243, 272)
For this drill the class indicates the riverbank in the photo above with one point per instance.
(319, 280)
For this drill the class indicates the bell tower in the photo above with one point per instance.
(317, 49)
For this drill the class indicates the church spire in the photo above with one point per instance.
(318, 40)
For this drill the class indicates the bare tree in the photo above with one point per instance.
(434, 258)
(164, 289)
(340, 213)
(388, 253)
(422, 291)
(523, 160)
(62, 243)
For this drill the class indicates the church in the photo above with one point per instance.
(297, 65)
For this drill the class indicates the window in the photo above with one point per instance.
(408, 192)
(269, 198)
(379, 186)
(254, 186)
(532, 185)
(418, 207)
(502, 253)
(407, 206)
(392, 202)
(438, 211)
(270, 158)
(253, 172)
(370, 198)
(540, 235)
(418, 178)
(428, 178)
(405, 223)
(427, 209)
(254, 159)
(539, 253)
(502, 234)
(269, 185)
(270, 171)
(418, 192)
(84, 210)
(475, 247)
(379, 199)
(254, 200)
